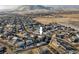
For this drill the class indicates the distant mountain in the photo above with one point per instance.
(32, 7)
(28, 9)
(48, 7)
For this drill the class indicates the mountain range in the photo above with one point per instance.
(26, 9)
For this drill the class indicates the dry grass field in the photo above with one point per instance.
(66, 19)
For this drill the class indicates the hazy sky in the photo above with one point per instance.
(3, 7)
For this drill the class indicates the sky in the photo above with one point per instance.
(6, 7)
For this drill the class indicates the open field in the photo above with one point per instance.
(66, 19)
(58, 18)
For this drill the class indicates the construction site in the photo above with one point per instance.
(42, 33)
